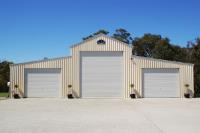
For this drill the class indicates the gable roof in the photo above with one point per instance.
(99, 35)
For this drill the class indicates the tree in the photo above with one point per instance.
(144, 46)
(194, 52)
(195, 49)
(101, 31)
(180, 53)
(4, 75)
(163, 50)
(155, 46)
(87, 37)
(123, 35)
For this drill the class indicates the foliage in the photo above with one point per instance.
(180, 54)
(101, 31)
(16, 86)
(194, 53)
(3, 94)
(87, 37)
(120, 34)
(4, 75)
(69, 86)
(187, 85)
(153, 46)
(105, 32)
(123, 35)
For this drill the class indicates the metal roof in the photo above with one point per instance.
(43, 60)
(168, 61)
(96, 36)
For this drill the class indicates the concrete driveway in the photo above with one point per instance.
(100, 116)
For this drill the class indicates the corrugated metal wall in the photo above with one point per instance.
(132, 67)
(186, 71)
(111, 45)
(17, 72)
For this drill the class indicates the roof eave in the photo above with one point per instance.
(149, 58)
(37, 61)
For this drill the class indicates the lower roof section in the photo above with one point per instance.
(134, 56)
(161, 60)
(40, 61)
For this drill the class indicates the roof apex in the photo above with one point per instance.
(96, 36)
(89, 39)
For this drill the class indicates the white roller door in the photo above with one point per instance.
(161, 82)
(45, 82)
(101, 74)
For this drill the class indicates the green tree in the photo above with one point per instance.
(101, 31)
(163, 50)
(4, 75)
(123, 35)
(155, 46)
(87, 37)
(194, 52)
(180, 53)
(144, 46)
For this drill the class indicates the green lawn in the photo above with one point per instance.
(3, 94)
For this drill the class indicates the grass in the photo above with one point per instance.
(3, 94)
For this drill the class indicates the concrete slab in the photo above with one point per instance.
(99, 115)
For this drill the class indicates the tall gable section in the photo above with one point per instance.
(101, 43)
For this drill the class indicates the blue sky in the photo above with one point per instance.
(34, 29)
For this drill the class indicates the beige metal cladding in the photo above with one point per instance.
(132, 67)
(185, 71)
(111, 45)
(17, 72)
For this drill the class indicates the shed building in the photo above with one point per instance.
(101, 67)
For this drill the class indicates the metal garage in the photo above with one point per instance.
(101, 67)
(161, 82)
(101, 74)
(45, 82)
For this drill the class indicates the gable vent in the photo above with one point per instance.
(101, 41)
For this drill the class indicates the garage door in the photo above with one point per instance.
(161, 82)
(42, 82)
(101, 74)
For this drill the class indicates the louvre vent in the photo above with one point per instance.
(101, 41)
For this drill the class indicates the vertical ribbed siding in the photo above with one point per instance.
(17, 72)
(132, 73)
(111, 45)
(185, 72)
